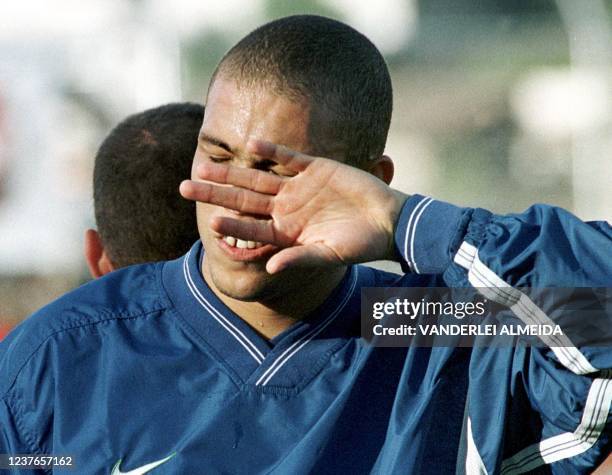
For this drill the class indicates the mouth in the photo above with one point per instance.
(241, 250)
(241, 244)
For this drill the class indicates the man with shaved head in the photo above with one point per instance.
(140, 215)
(245, 355)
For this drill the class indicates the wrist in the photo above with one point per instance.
(396, 203)
(427, 232)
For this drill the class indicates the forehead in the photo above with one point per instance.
(236, 113)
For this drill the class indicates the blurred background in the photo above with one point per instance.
(498, 103)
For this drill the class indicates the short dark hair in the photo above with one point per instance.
(333, 66)
(140, 214)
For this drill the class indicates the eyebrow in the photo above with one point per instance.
(214, 141)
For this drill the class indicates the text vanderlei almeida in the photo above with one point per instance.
(410, 309)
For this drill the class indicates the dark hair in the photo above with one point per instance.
(140, 214)
(335, 68)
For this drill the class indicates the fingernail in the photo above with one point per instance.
(252, 145)
(259, 146)
(183, 187)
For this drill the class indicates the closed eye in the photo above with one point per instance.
(218, 159)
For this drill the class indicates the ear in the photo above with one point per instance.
(96, 257)
(382, 168)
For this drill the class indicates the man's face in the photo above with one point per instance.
(234, 114)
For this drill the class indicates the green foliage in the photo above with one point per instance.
(200, 55)
(280, 8)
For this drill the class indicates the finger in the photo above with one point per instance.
(261, 230)
(239, 199)
(290, 159)
(312, 255)
(255, 180)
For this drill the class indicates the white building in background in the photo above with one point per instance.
(37, 218)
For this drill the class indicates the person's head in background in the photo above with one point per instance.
(140, 215)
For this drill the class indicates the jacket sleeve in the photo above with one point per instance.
(11, 442)
(13, 436)
(23, 420)
(553, 399)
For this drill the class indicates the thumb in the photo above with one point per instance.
(311, 255)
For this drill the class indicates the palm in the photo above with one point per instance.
(328, 214)
(328, 205)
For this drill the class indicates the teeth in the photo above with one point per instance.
(241, 244)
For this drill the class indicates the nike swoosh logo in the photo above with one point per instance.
(140, 470)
